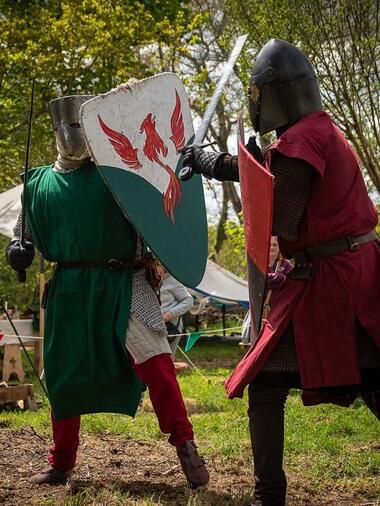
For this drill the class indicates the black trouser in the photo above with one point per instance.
(267, 396)
(266, 424)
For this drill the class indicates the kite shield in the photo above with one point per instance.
(135, 134)
(256, 184)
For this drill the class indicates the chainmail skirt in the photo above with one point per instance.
(284, 358)
(144, 304)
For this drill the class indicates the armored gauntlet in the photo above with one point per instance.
(202, 162)
(18, 256)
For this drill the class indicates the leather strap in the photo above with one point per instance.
(112, 265)
(334, 247)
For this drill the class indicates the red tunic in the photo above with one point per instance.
(344, 286)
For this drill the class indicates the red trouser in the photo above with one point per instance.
(159, 376)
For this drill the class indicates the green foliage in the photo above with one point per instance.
(85, 47)
(342, 40)
(82, 47)
(232, 256)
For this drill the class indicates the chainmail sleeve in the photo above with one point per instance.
(292, 186)
(18, 227)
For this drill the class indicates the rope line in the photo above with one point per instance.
(208, 331)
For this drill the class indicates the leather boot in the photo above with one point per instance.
(51, 476)
(193, 465)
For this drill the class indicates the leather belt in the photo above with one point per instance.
(304, 259)
(112, 265)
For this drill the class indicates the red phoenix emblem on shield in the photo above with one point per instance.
(154, 150)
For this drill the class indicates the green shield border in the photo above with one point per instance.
(181, 247)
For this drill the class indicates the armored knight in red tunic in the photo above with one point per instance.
(323, 331)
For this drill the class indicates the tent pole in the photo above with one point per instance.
(224, 319)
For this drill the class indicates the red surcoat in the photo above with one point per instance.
(343, 287)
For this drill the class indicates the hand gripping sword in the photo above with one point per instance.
(187, 172)
(22, 274)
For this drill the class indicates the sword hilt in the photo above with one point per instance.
(185, 173)
(21, 276)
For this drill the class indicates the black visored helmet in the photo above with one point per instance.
(283, 87)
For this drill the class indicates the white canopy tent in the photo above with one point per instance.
(222, 288)
(10, 207)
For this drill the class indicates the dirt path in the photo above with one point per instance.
(146, 472)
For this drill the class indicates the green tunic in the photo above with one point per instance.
(74, 218)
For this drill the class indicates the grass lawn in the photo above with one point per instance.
(332, 455)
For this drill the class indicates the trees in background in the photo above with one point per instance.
(91, 46)
(341, 37)
(71, 47)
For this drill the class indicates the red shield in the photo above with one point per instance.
(257, 198)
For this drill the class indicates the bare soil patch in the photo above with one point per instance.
(141, 470)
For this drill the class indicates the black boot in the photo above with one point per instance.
(266, 423)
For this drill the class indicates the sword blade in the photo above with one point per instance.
(228, 68)
(26, 165)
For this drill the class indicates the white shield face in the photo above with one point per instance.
(135, 134)
(141, 128)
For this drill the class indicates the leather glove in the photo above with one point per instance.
(19, 257)
(202, 162)
(254, 149)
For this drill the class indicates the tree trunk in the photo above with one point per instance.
(220, 232)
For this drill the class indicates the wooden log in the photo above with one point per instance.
(16, 393)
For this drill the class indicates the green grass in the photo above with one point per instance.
(327, 445)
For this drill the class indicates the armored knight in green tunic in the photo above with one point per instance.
(104, 333)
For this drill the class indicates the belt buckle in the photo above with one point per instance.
(354, 246)
(113, 264)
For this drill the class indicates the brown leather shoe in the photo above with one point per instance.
(193, 465)
(51, 476)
